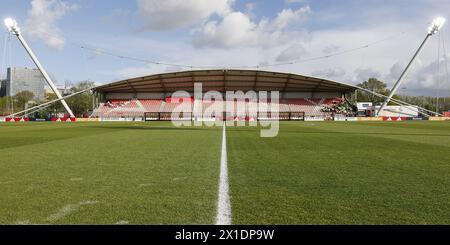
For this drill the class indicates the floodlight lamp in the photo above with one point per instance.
(436, 25)
(11, 24)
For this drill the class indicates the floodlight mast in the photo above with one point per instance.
(12, 26)
(434, 28)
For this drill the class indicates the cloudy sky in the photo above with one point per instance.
(289, 34)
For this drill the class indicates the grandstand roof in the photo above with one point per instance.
(225, 80)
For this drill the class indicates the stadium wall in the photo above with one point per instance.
(439, 118)
(399, 111)
(88, 120)
(370, 119)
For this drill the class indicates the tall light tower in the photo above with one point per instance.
(434, 28)
(12, 26)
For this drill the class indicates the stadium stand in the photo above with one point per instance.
(137, 108)
(300, 96)
(152, 105)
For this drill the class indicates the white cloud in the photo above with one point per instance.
(363, 74)
(289, 16)
(145, 70)
(293, 52)
(336, 73)
(173, 14)
(394, 73)
(234, 30)
(249, 8)
(429, 77)
(237, 29)
(235, 38)
(42, 20)
(384, 60)
(330, 49)
(137, 71)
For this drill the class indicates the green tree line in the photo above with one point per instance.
(80, 104)
(375, 85)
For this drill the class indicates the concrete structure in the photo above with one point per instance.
(365, 108)
(24, 79)
(2, 88)
(398, 111)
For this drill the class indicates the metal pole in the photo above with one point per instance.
(402, 76)
(41, 68)
(434, 28)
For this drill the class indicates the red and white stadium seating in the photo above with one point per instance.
(137, 108)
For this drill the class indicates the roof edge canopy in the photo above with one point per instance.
(224, 80)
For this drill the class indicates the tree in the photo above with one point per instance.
(82, 103)
(428, 102)
(22, 98)
(5, 105)
(376, 86)
(54, 107)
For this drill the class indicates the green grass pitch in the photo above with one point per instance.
(154, 173)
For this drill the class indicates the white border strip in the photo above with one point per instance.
(223, 204)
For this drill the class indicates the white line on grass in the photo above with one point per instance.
(179, 178)
(223, 205)
(146, 184)
(68, 209)
(23, 222)
(122, 222)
